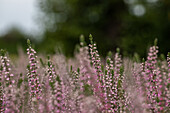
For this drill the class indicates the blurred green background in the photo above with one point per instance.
(131, 25)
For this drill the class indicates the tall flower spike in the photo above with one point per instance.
(84, 64)
(56, 87)
(7, 83)
(51, 71)
(117, 66)
(168, 60)
(1, 92)
(150, 76)
(168, 81)
(107, 83)
(83, 76)
(95, 61)
(33, 77)
(96, 64)
(59, 98)
(95, 58)
(120, 96)
(6, 67)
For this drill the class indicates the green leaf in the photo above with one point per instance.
(143, 60)
(28, 66)
(112, 72)
(162, 57)
(58, 79)
(91, 39)
(3, 52)
(42, 63)
(108, 61)
(49, 64)
(82, 38)
(48, 57)
(19, 82)
(121, 70)
(88, 90)
(118, 50)
(105, 72)
(78, 70)
(51, 84)
(136, 57)
(71, 68)
(102, 67)
(155, 42)
(110, 54)
(28, 42)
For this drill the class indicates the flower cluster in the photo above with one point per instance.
(7, 84)
(86, 83)
(33, 77)
(152, 82)
(1, 91)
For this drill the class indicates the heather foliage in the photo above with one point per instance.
(85, 83)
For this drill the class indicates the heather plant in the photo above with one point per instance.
(8, 87)
(155, 80)
(33, 78)
(56, 86)
(98, 76)
(86, 83)
(152, 82)
(1, 92)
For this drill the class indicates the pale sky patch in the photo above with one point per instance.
(20, 13)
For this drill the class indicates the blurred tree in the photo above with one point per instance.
(12, 40)
(139, 31)
(130, 24)
(65, 20)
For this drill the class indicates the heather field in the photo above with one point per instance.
(86, 83)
